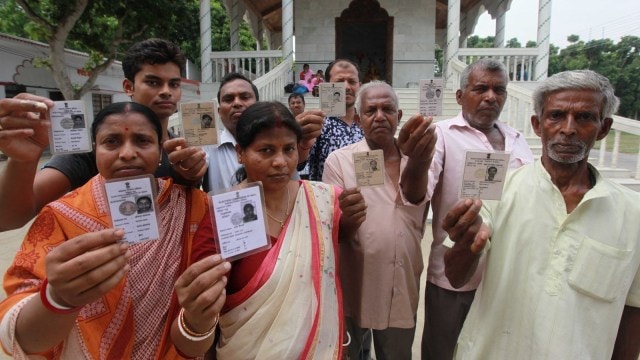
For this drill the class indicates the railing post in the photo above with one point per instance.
(616, 149)
(638, 164)
(603, 149)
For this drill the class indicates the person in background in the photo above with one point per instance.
(235, 95)
(337, 132)
(564, 258)
(296, 104)
(76, 290)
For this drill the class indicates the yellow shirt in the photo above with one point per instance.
(555, 284)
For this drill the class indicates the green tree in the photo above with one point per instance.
(105, 29)
(619, 62)
(513, 43)
(477, 42)
(101, 28)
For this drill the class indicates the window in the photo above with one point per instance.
(99, 101)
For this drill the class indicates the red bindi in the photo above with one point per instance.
(126, 129)
(278, 121)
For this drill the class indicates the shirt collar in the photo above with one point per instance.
(227, 137)
(459, 121)
(600, 189)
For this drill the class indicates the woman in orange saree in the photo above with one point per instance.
(75, 290)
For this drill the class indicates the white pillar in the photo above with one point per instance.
(206, 68)
(287, 34)
(453, 28)
(544, 30)
(234, 25)
(464, 30)
(501, 19)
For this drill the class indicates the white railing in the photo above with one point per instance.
(271, 85)
(519, 61)
(629, 127)
(252, 64)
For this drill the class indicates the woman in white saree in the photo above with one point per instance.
(285, 302)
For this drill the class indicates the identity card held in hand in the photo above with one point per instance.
(369, 166)
(239, 219)
(484, 175)
(132, 203)
(69, 131)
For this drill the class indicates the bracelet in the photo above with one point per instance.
(348, 341)
(50, 304)
(192, 335)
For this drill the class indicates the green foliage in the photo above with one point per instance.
(439, 54)
(513, 43)
(619, 62)
(477, 42)
(106, 28)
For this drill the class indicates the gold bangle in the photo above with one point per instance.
(193, 335)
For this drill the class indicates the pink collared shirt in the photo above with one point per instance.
(455, 137)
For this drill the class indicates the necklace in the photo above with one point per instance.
(286, 213)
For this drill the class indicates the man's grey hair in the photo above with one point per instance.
(577, 80)
(487, 64)
(372, 84)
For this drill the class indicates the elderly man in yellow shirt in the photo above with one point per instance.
(562, 276)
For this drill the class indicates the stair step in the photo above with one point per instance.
(632, 184)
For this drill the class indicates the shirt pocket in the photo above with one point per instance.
(599, 270)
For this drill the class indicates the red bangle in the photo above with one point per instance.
(51, 305)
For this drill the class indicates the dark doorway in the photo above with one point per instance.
(364, 34)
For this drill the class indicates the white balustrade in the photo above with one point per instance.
(252, 64)
(519, 61)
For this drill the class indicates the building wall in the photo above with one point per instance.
(413, 36)
(16, 57)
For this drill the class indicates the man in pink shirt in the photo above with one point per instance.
(380, 257)
(482, 94)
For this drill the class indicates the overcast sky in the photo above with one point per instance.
(590, 19)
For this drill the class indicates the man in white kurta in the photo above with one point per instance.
(569, 275)
(562, 276)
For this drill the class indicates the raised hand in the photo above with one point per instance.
(84, 268)
(188, 162)
(24, 126)
(417, 138)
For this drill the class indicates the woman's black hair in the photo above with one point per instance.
(123, 108)
(258, 118)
